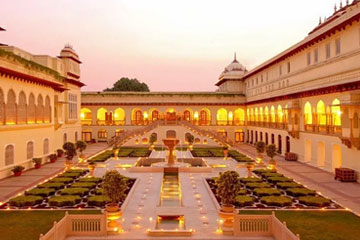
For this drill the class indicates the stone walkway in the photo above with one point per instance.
(346, 194)
(12, 186)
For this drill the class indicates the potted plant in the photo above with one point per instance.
(37, 162)
(114, 186)
(17, 170)
(70, 152)
(226, 152)
(250, 167)
(271, 152)
(190, 139)
(260, 149)
(152, 140)
(81, 146)
(60, 152)
(53, 157)
(91, 167)
(228, 186)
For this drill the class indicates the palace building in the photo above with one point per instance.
(305, 100)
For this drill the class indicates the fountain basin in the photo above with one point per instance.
(170, 225)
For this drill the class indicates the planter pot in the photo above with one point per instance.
(112, 208)
(226, 153)
(91, 167)
(250, 168)
(37, 166)
(53, 160)
(59, 154)
(68, 164)
(227, 208)
(226, 213)
(16, 174)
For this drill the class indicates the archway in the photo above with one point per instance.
(307, 158)
(320, 154)
(10, 108)
(288, 146)
(266, 113)
(137, 117)
(86, 117)
(21, 109)
(171, 114)
(280, 114)
(308, 114)
(336, 115)
(321, 113)
(336, 157)
(222, 116)
(272, 114)
(119, 116)
(101, 116)
(2, 107)
(239, 117)
(279, 144)
(187, 115)
(205, 116)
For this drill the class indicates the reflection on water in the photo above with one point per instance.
(170, 190)
(170, 223)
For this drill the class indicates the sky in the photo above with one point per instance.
(170, 45)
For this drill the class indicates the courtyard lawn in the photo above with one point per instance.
(28, 225)
(319, 225)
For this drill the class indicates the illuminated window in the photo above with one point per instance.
(119, 116)
(85, 115)
(272, 114)
(222, 116)
(101, 114)
(256, 114)
(280, 114)
(321, 113)
(21, 109)
(31, 110)
(239, 116)
(336, 112)
(10, 108)
(308, 113)
(266, 114)
(261, 115)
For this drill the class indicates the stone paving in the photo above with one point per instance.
(12, 186)
(141, 211)
(345, 193)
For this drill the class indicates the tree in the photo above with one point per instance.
(271, 152)
(114, 186)
(70, 150)
(128, 85)
(81, 146)
(228, 185)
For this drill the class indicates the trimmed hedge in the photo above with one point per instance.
(279, 179)
(244, 200)
(75, 191)
(55, 185)
(90, 179)
(69, 175)
(83, 185)
(268, 175)
(286, 185)
(253, 185)
(62, 179)
(262, 171)
(81, 171)
(22, 201)
(239, 157)
(314, 201)
(99, 191)
(98, 200)
(242, 192)
(266, 192)
(250, 179)
(102, 157)
(60, 201)
(279, 201)
(297, 192)
(43, 192)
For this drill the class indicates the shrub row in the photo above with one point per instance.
(239, 157)
(102, 157)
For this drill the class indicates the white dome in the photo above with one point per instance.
(233, 70)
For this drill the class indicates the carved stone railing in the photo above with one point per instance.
(262, 226)
(77, 225)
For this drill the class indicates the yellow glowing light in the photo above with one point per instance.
(146, 115)
(82, 115)
(196, 115)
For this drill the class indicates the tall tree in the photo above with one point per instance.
(128, 85)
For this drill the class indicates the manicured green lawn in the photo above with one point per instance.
(319, 225)
(28, 225)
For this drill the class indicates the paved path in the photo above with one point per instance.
(347, 194)
(12, 186)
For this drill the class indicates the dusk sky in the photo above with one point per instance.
(170, 45)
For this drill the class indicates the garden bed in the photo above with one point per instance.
(219, 152)
(72, 192)
(102, 157)
(270, 190)
(134, 152)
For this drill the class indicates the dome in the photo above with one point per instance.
(234, 69)
(69, 52)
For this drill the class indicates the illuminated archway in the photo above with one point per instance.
(280, 114)
(239, 116)
(101, 115)
(137, 116)
(272, 114)
(321, 113)
(222, 116)
(188, 115)
(205, 116)
(336, 112)
(256, 114)
(286, 114)
(261, 115)
(119, 116)
(266, 113)
(155, 115)
(171, 114)
(85, 116)
(308, 113)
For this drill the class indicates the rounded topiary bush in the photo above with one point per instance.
(286, 185)
(60, 201)
(22, 201)
(314, 201)
(253, 185)
(98, 200)
(43, 192)
(243, 200)
(75, 191)
(297, 192)
(266, 192)
(56, 186)
(280, 201)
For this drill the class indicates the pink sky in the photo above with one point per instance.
(170, 45)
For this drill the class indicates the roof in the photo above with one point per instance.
(160, 93)
(340, 19)
(2, 29)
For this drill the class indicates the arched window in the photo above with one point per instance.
(40, 110)
(261, 115)
(10, 109)
(187, 115)
(280, 114)
(321, 113)
(239, 116)
(336, 112)
(31, 110)
(222, 116)
(21, 109)
(101, 115)
(30, 150)
(9, 155)
(47, 113)
(248, 114)
(266, 114)
(205, 116)
(272, 114)
(256, 114)
(252, 115)
(138, 117)
(2, 107)
(85, 116)
(119, 116)
(155, 115)
(46, 146)
(286, 114)
(308, 113)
